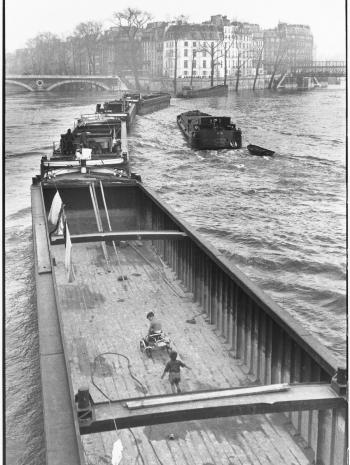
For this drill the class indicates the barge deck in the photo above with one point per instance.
(103, 316)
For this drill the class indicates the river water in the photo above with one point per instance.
(281, 220)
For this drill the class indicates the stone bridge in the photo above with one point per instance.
(34, 83)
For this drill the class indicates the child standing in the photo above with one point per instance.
(173, 367)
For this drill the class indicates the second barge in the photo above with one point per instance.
(147, 103)
(204, 131)
(190, 92)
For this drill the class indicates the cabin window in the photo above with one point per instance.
(186, 64)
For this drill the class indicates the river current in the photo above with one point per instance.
(281, 220)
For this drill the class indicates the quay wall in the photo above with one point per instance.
(167, 85)
(273, 346)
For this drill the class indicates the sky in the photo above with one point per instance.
(24, 19)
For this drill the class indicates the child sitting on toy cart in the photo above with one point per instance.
(155, 327)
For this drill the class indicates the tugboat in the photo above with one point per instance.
(204, 131)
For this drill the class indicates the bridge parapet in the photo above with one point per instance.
(320, 69)
(35, 83)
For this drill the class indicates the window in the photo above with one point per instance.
(186, 52)
(194, 44)
(204, 73)
(194, 73)
(204, 64)
(204, 53)
(194, 64)
(185, 73)
(185, 64)
(186, 44)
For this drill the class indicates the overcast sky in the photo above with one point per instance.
(26, 18)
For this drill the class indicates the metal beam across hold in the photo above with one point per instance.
(120, 236)
(199, 405)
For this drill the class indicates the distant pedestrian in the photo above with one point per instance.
(173, 368)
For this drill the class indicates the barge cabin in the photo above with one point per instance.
(261, 390)
(204, 131)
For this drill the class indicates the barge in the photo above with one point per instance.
(118, 109)
(260, 390)
(97, 143)
(190, 92)
(148, 103)
(204, 131)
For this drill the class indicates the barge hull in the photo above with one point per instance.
(60, 423)
(101, 318)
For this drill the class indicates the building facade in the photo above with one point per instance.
(194, 49)
(287, 46)
(153, 48)
(239, 44)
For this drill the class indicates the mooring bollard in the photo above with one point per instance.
(84, 406)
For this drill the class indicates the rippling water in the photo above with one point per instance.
(281, 220)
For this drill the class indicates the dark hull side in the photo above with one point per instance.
(259, 151)
(150, 105)
(205, 92)
(209, 139)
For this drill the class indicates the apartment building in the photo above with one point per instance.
(193, 48)
(238, 47)
(153, 47)
(287, 45)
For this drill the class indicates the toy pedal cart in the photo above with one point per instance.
(154, 342)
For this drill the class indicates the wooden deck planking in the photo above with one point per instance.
(102, 314)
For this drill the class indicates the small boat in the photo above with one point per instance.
(189, 92)
(260, 151)
(204, 131)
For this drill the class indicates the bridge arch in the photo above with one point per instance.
(85, 81)
(20, 84)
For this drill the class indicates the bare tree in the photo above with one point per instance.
(44, 53)
(258, 59)
(133, 21)
(88, 35)
(281, 58)
(215, 53)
